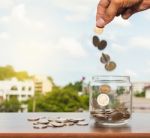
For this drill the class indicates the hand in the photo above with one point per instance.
(108, 9)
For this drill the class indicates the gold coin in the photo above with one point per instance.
(98, 30)
(105, 88)
(110, 66)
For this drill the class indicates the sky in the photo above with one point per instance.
(54, 38)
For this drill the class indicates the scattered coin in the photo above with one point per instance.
(43, 121)
(61, 120)
(103, 100)
(98, 30)
(95, 41)
(40, 126)
(110, 66)
(56, 124)
(105, 58)
(79, 119)
(82, 123)
(33, 119)
(36, 127)
(105, 88)
(102, 44)
(69, 123)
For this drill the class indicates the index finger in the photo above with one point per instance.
(101, 8)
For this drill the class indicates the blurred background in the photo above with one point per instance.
(47, 58)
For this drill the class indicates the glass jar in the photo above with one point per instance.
(111, 99)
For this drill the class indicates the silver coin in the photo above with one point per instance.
(56, 124)
(69, 124)
(75, 120)
(40, 126)
(105, 58)
(110, 66)
(61, 120)
(82, 123)
(33, 119)
(43, 121)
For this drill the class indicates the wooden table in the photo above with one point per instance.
(15, 125)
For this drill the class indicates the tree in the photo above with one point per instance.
(59, 100)
(11, 105)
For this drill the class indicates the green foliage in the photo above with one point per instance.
(11, 105)
(8, 72)
(120, 91)
(59, 100)
(139, 94)
(76, 86)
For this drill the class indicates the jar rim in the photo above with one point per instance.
(117, 78)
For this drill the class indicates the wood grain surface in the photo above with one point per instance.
(15, 125)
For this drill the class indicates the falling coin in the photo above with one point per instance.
(105, 88)
(98, 30)
(103, 100)
(102, 45)
(95, 41)
(110, 66)
(105, 58)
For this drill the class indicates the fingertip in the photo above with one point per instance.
(100, 23)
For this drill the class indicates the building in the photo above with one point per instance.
(147, 92)
(13, 87)
(42, 84)
(139, 86)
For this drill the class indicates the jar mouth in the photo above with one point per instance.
(108, 78)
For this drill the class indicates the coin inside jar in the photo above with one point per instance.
(110, 66)
(104, 88)
(103, 100)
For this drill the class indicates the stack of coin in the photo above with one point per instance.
(43, 122)
(101, 45)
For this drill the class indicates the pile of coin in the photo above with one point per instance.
(101, 45)
(111, 115)
(44, 122)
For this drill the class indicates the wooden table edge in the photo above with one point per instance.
(74, 135)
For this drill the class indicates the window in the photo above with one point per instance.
(23, 88)
(14, 88)
(29, 88)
